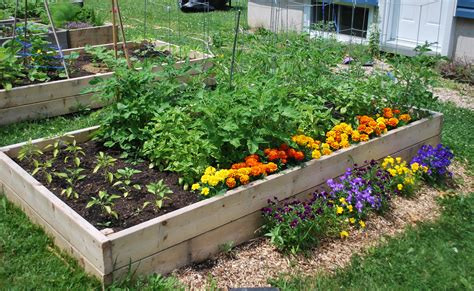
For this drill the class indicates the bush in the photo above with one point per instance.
(459, 70)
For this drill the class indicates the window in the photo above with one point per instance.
(343, 19)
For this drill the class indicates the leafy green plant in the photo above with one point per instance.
(10, 68)
(43, 168)
(141, 208)
(160, 190)
(74, 152)
(55, 146)
(29, 151)
(106, 203)
(71, 177)
(124, 180)
(105, 163)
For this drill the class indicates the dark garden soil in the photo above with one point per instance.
(128, 209)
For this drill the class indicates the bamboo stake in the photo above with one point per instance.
(124, 42)
(114, 29)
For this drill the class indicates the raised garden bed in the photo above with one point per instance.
(192, 233)
(61, 33)
(66, 96)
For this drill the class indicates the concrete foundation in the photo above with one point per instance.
(464, 39)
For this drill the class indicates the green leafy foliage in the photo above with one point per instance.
(43, 168)
(106, 203)
(29, 151)
(161, 192)
(74, 151)
(124, 180)
(105, 163)
(10, 68)
(71, 176)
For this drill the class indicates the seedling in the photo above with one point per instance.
(43, 169)
(140, 209)
(124, 177)
(29, 151)
(55, 147)
(105, 163)
(74, 150)
(106, 203)
(71, 176)
(160, 190)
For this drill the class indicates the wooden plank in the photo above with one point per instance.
(47, 109)
(46, 91)
(81, 135)
(90, 36)
(207, 244)
(170, 229)
(90, 242)
(57, 238)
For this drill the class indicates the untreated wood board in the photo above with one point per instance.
(72, 227)
(90, 36)
(167, 230)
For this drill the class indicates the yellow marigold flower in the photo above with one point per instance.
(213, 181)
(399, 160)
(362, 223)
(339, 210)
(210, 171)
(399, 187)
(344, 234)
(344, 144)
(205, 191)
(205, 179)
(326, 151)
(380, 120)
(415, 167)
(195, 186)
(350, 208)
(316, 154)
(352, 220)
(330, 140)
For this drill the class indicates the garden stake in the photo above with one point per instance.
(114, 29)
(46, 6)
(124, 42)
(14, 19)
(234, 47)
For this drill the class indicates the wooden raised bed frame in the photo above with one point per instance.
(66, 96)
(192, 233)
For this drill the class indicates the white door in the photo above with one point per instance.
(417, 21)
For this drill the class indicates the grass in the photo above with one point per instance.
(28, 258)
(432, 256)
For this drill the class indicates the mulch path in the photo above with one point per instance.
(254, 262)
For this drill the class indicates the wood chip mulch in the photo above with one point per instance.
(254, 262)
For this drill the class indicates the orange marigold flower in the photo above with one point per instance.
(244, 179)
(271, 167)
(369, 130)
(396, 111)
(239, 166)
(256, 171)
(364, 137)
(326, 151)
(291, 153)
(230, 182)
(273, 155)
(405, 117)
(282, 155)
(283, 161)
(299, 156)
(251, 162)
(361, 127)
(266, 151)
(283, 147)
(393, 122)
(364, 119)
(253, 156)
(335, 145)
(381, 125)
(387, 113)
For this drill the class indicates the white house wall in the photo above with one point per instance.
(278, 15)
(464, 39)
